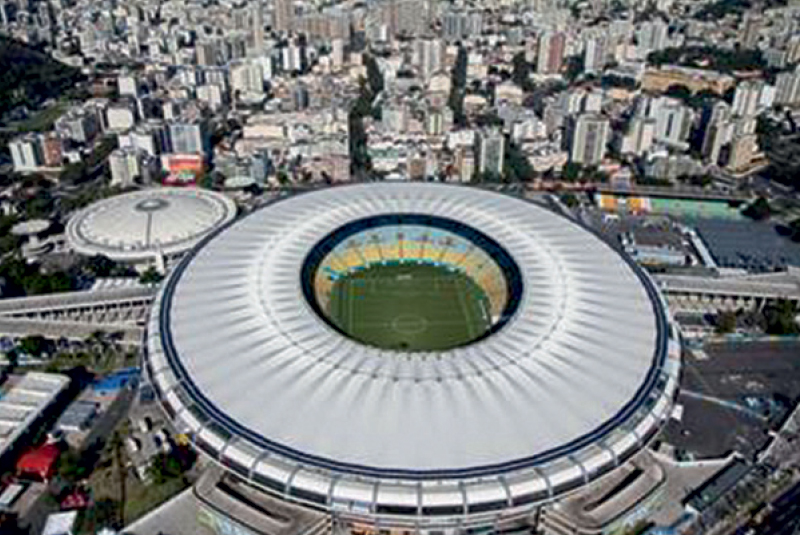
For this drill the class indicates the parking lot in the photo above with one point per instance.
(732, 394)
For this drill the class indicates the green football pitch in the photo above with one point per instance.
(409, 307)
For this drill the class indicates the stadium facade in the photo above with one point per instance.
(576, 375)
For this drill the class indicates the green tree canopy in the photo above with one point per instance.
(709, 57)
(780, 318)
(725, 322)
(521, 72)
(458, 87)
(151, 276)
(758, 209)
(36, 346)
(163, 467)
(374, 76)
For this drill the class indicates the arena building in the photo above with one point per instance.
(568, 368)
(148, 226)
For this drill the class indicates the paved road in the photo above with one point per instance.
(109, 420)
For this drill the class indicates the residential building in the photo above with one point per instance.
(639, 137)
(551, 53)
(283, 16)
(490, 151)
(189, 137)
(26, 154)
(595, 54)
(589, 137)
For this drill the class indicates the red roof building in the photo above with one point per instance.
(39, 463)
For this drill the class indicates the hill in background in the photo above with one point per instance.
(31, 76)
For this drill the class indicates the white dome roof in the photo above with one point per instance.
(136, 226)
(247, 365)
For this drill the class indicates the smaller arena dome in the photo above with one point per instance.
(140, 226)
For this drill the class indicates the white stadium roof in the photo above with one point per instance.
(573, 384)
(135, 227)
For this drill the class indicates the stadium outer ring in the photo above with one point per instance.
(454, 497)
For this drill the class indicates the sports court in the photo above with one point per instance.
(409, 307)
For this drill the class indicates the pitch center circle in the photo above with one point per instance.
(152, 205)
(410, 324)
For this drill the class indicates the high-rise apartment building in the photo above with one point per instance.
(673, 120)
(26, 154)
(751, 96)
(551, 52)
(430, 56)
(283, 16)
(589, 137)
(594, 54)
(787, 88)
(257, 26)
(639, 137)
(490, 151)
(652, 36)
(189, 137)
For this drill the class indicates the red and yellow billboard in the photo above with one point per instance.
(182, 169)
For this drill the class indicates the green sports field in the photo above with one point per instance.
(409, 307)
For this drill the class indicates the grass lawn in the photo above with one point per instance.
(409, 307)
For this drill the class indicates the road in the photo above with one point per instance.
(109, 420)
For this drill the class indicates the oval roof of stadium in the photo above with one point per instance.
(576, 379)
(136, 226)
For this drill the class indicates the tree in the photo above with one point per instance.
(374, 76)
(105, 513)
(614, 80)
(571, 172)
(570, 200)
(780, 318)
(516, 167)
(574, 67)
(709, 57)
(22, 278)
(758, 210)
(103, 266)
(8, 241)
(521, 71)
(679, 91)
(458, 87)
(151, 276)
(35, 346)
(164, 467)
(72, 467)
(726, 322)
(794, 228)
(360, 163)
(721, 8)
(31, 76)
(13, 358)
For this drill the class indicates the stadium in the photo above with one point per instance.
(411, 356)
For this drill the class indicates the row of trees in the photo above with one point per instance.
(709, 57)
(363, 106)
(776, 319)
(458, 87)
(19, 278)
